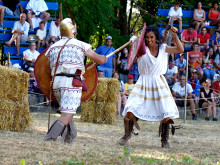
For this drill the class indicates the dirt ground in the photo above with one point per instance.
(198, 142)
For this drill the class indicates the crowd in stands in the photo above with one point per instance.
(201, 43)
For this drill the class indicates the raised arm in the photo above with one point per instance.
(179, 46)
(99, 59)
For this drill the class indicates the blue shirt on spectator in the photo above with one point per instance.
(197, 87)
(104, 50)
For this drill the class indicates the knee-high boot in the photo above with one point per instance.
(55, 130)
(129, 122)
(69, 133)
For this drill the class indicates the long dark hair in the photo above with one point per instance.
(155, 30)
(212, 56)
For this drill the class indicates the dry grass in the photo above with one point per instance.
(197, 143)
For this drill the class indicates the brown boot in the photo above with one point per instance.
(165, 135)
(69, 133)
(55, 130)
(128, 125)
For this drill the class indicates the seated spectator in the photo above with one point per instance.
(203, 39)
(189, 36)
(19, 32)
(172, 73)
(9, 9)
(216, 89)
(199, 16)
(122, 62)
(134, 71)
(100, 74)
(179, 95)
(175, 15)
(208, 66)
(130, 85)
(54, 31)
(195, 60)
(181, 64)
(207, 100)
(213, 15)
(122, 97)
(37, 8)
(216, 41)
(29, 56)
(194, 82)
(33, 87)
(41, 35)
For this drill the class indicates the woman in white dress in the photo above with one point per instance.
(151, 98)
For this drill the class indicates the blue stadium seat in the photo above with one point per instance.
(12, 50)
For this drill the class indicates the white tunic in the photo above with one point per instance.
(71, 59)
(37, 6)
(151, 98)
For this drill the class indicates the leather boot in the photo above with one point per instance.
(128, 126)
(165, 135)
(69, 133)
(55, 130)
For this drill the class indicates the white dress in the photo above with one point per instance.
(151, 98)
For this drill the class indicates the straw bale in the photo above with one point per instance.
(99, 112)
(102, 89)
(92, 97)
(113, 90)
(109, 114)
(87, 111)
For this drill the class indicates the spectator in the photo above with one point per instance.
(189, 36)
(54, 31)
(213, 15)
(179, 95)
(109, 67)
(217, 62)
(216, 41)
(207, 100)
(100, 74)
(194, 82)
(33, 87)
(208, 66)
(29, 56)
(175, 15)
(9, 9)
(181, 64)
(130, 85)
(37, 8)
(203, 39)
(19, 32)
(41, 35)
(172, 73)
(122, 62)
(134, 71)
(216, 89)
(199, 16)
(195, 60)
(122, 97)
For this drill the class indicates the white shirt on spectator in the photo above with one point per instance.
(25, 27)
(170, 72)
(181, 90)
(54, 30)
(217, 60)
(180, 64)
(41, 34)
(30, 55)
(37, 6)
(173, 13)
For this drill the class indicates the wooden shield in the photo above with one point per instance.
(137, 47)
(43, 77)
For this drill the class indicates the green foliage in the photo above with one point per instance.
(188, 160)
(126, 151)
(22, 162)
(70, 162)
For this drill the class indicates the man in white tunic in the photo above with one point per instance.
(151, 98)
(68, 96)
(54, 31)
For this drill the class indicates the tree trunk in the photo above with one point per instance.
(123, 18)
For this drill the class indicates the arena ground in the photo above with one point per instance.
(196, 143)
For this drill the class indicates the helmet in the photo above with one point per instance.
(67, 28)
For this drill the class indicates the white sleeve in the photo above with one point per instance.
(176, 69)
(26, 30)
(37, 34)
(180, 12)
(44, 6)
(52, 31)
(174, 87)
(15, 26)
(189, 88)
(170, 12)
(85, 46)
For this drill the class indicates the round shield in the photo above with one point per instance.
(43, 77)
(137, 48)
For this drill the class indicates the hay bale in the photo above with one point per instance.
(102, 89)
(110, 112)
(99, 112)
(113, 90)
(87, 111)
(14, 107)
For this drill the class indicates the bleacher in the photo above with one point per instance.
(5, 34)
